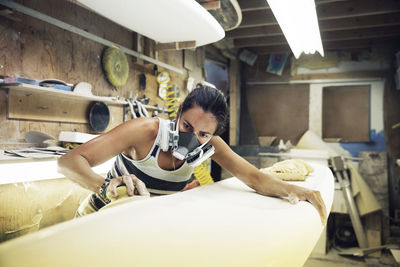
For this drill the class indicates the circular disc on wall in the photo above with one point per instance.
(116, 66)
(99, 116)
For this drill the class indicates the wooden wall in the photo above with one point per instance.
(262, 124)
(279, 109)
(290, 107)
(34, 49)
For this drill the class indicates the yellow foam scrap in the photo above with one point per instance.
(290, 170)
(296, 176)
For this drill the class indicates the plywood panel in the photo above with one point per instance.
(345, 113)
(37, 50)
(279, 110)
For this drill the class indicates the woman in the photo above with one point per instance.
(147, 162)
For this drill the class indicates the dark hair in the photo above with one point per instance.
(210, 100)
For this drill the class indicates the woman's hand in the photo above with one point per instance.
(134, 186)
(314, 197)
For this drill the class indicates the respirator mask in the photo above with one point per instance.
(185, 146)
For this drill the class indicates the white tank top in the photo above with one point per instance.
(158, 181)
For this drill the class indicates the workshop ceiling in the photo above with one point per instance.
(344, 25)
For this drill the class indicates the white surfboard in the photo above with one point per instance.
(164, 21)
(223, 224)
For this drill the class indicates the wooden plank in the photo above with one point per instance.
(257, 74)
(324, 26)
(3, 105)
(348, 75)
(356, 8)
(45, 108)
(259, 31)
(116, 116)
(137, 45)
(373, 226)
(387, 42)
(189, 59)
(176, 45)
(257, 18)
(360, 22)
(359, 34)
(336, 10)
(260, 41)
(234, 104)
(149, 49)
(29, 89)
(251, 5)
(8, 128)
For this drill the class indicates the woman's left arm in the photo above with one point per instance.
(263, 183)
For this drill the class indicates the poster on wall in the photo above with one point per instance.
(276, 63)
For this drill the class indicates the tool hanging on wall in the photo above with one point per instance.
(172, 104)
(142, 81)
(116, 67)
(137, 109)
(163, 79)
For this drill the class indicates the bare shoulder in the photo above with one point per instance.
(140, 129)
(220, 146)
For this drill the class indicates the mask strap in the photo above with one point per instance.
(177, 121)
(175, 133)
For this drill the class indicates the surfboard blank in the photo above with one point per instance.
(222, 224)
(163, 21)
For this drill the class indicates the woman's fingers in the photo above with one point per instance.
(112, 187)
(139, 185)
(314, 197)
(127, 180)
(316, 200)
(132, 183)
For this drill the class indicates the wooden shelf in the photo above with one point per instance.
(39, 90)
(32, 102)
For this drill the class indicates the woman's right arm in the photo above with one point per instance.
(77, 164)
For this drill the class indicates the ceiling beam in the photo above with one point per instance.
(251, 5)
(335, 45)
(325, 25)
(378, 32)
(342, 9)
(369, 33)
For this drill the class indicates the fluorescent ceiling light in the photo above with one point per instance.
(299, 23)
